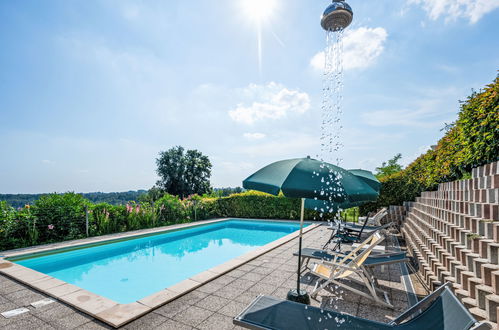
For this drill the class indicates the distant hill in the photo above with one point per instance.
(115, 198)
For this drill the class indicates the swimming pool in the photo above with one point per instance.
(126, 271)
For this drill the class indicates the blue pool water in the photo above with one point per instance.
(130, 270)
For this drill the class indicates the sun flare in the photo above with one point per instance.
(259, 10)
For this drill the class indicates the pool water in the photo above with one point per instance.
(127, 271)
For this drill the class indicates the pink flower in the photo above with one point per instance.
(50, 227)
(129, 208)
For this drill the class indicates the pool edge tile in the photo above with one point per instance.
(160, 298)
(62, 290)
(185, 286)
(120, 314)
(88, 302)
(205, 276)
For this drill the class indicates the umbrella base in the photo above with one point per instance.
(302, 297)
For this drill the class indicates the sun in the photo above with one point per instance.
(259, 10)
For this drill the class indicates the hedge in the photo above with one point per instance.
(59, 217)
(471, 141)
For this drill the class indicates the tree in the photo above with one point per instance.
(389, 168)
(183, 174)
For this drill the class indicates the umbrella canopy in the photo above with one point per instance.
(310, 178)
(367, 177)
(326, 206)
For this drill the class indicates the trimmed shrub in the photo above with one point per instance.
(472, 141)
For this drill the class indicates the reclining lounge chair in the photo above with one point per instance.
(343, 267)
(372, 261)
(440, 310)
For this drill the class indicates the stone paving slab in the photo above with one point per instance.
(213, 305)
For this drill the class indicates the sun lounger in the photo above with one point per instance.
(375, 219)
(440, 310)
(379, 259)
(341, 268)
(340, 235)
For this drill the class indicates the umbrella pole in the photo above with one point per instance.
(298, 295)
(302, 215)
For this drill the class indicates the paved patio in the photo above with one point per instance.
(213, 305)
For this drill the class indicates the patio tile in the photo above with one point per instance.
(53, 311)
(12, 287)
(246, 268)
(224, 280)
(7, 307)
(192, 297)
(210, 287)
(24, 297)
(213, 303)
(171, 309)
(148, 321)
(262, 288)
(242, 284)
(217, 322)
(26, 322)
(173, 325)
(232, 309)
(94, 325)
(236, 273)
(228, 292)
(246, 297)
(71, 321)
(193, 316)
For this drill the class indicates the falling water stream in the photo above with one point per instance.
(331, 138)
(331, 124)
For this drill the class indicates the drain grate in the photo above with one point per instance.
(14, 312)
(41, 303)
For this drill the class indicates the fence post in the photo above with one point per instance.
(86, 219)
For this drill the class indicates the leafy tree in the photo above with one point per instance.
(390, 167)
(471, 141)
(183, 173)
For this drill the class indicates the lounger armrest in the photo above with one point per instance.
(481, 326)
(421, 305)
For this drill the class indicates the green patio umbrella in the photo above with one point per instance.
(313, 179)
(326, 206)
(367, 177)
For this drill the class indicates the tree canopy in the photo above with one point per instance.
(390, 167)
(183, 173)
(471, 141)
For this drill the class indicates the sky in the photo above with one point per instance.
(92, 91)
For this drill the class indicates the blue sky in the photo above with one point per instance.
(91, 91)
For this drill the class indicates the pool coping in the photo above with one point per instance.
(109, 311)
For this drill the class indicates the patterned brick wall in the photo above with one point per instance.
(454, 234)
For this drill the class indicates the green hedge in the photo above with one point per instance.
(59, 217)
(471, 141)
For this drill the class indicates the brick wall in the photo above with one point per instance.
(454, 235)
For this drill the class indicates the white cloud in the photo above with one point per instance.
(361, 47)
(254, 136)
(271, 101)
(48, 162)
(473, 10)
